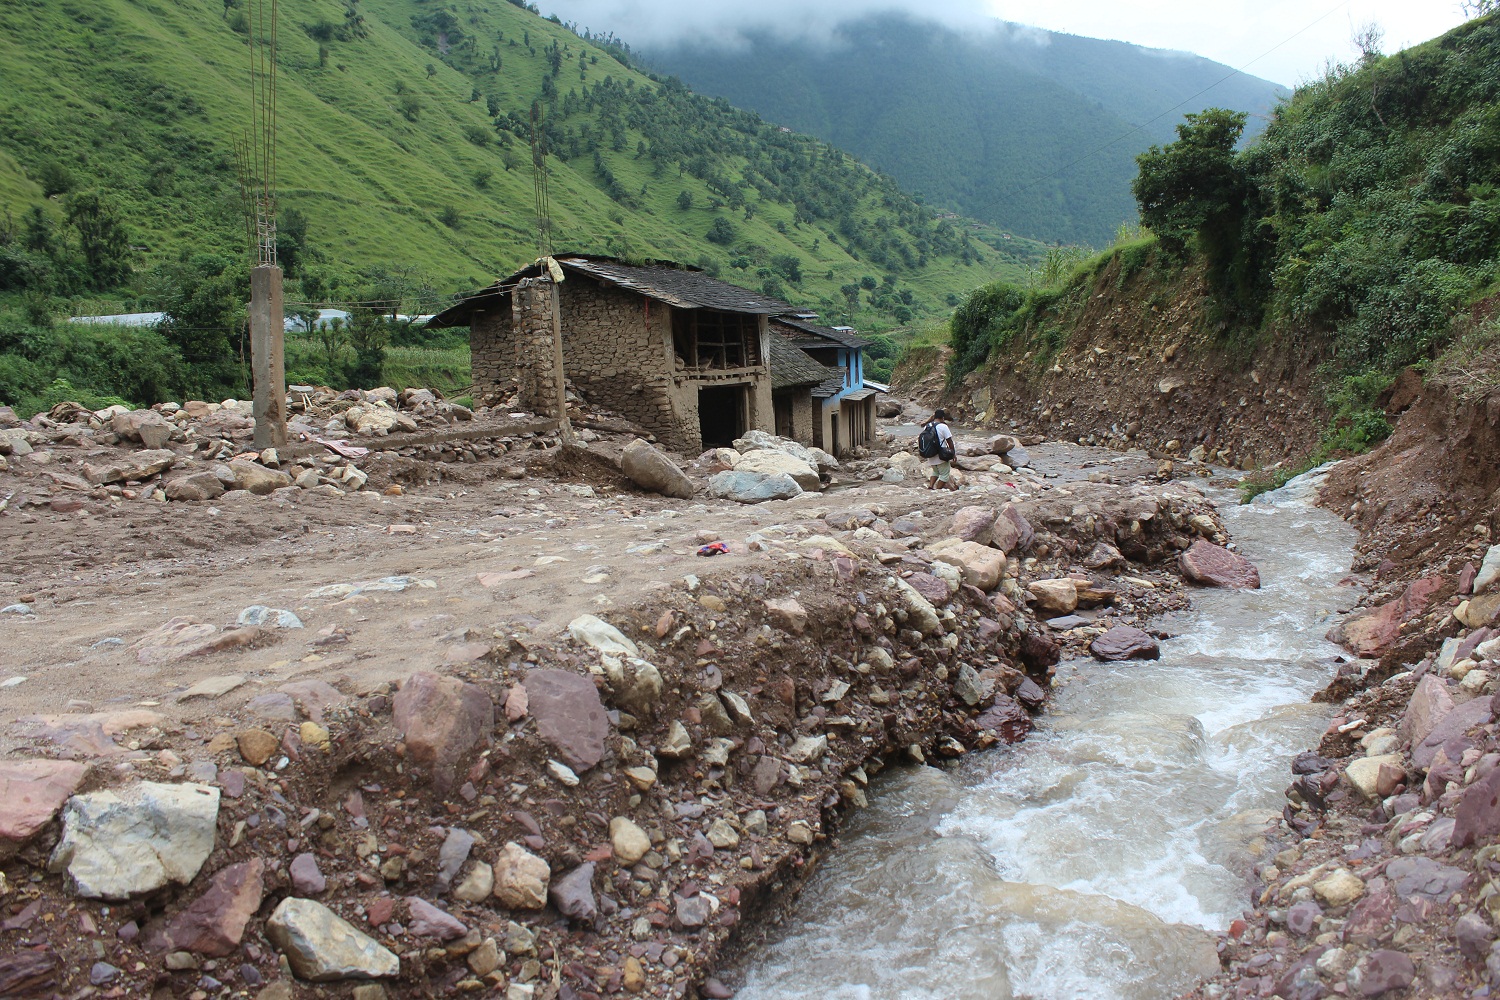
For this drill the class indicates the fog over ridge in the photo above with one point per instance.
(726, 23)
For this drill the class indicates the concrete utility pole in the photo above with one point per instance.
(267, 356)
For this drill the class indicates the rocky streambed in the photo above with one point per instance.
(1099, 857)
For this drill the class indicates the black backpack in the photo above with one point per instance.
(928, 445)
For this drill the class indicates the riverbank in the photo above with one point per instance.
(519, 737)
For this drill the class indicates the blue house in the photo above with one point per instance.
(843, 406)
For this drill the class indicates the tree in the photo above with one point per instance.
(685, 200)
(102, 239)
(291, 241)
(1194, 186)
(368, 335)
(721, 232)
(204, 298)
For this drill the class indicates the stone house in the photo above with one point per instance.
(794, 376)
(681, 354)
(843, 415)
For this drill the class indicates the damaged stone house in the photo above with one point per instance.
(679, 353)
(843, 416)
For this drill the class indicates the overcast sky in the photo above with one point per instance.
(1303, 33)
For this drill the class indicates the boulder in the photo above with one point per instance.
(752, 487)
(1001, 444)
(982, 566)
(256, 478)
(322, 947)
(636, 683)
(1477, 612)
(1125, 642)
(148, 427)
(1058, 596)
(1006, 718)
(599, 634)
(935, 589)
(137, 467)
(573, 894)
(1339, 888)
(432, 921)
(788, 614)
(1477, 816)
(629, 841)
(923, 616)
(761, 441)
(307, 878)
(521, 878)
(194, 486)
(118, 844)
(1489, 571)
(974, 524)
(651, 470)
(1211, 565)
(569, 715)
(1382, 972)
(444, 719)
(1452, 727)
(1011, 531)
(214, 923)
(1430, 701)
(1373, 777)
(776, 463)
(31, 793)
(1371, 633)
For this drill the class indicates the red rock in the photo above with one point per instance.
(31, 793)
(1372, 633)
(214, 923)
(444, 719)
(515, 704)
(1430, 701)
(974, 524)
(930, 587)
(1477, 816)
(1007, 718)
(1124, 642)
(380, 911)
(431, 921)
(569, 715)
(1211, 565)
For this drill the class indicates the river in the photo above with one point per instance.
(1092, 861)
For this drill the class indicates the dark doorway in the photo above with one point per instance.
(782, 404)
(833, 430)
(721, 414)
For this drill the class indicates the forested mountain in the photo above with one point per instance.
(1014, 126)
(1359, 233)
(405, 161)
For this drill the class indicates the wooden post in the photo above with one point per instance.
(267, 357)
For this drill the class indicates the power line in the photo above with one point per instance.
(1231, 75)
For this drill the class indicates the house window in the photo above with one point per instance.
(704, 338)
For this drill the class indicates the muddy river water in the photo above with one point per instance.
(1091, 861)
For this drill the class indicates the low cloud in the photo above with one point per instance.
(725, 23)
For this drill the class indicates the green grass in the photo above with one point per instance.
(144, 99)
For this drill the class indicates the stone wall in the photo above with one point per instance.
(492, 346)
(615, 348)
(532, 309)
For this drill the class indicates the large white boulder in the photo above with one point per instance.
(118, 844)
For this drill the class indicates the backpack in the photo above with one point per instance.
(929, 446)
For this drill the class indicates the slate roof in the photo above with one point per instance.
(805, 334)
(680, 286)
(790, 368)
(830, 388)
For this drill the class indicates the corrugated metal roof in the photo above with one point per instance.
(790, 368)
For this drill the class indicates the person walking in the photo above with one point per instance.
(936, 447)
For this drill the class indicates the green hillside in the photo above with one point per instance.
(404, 158)
(1362, 227)
(1013, 127)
